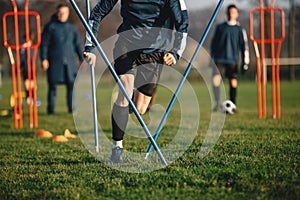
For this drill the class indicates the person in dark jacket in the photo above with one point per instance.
(60, 44)
(140, 52)
(229, 40)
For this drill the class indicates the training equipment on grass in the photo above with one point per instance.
(16, 61)
(122, 89)
(68, 134)
(117, 79)
(60, 138)
(94, 102)
(228, 107)
(273, 40)
(4, 112)
(43, 133)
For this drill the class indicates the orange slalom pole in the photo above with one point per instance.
(258, 77)
(13, 71)
(273, 64)
(13, 78)
(35, 47)
(28, 56)
(278, 64)
(16, 23)
(263, 74)
(275, 54)
(278, 82)
(17, 96)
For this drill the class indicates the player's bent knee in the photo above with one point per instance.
(217, 80)
(141, 109)
(234, 83)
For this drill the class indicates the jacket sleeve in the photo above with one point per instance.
(102, 8)
(78, 47)
(45, 42)
(181, 22)
(245, 48)
(213, 42)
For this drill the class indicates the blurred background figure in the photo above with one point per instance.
(24, 67)
(229, 40)
(60, 44)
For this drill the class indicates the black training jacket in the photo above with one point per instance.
(147, 24)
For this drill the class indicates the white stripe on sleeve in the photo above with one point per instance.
(88, 39)
(182, 5)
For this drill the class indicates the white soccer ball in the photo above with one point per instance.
(228, 107)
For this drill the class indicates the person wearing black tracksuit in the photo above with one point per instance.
(143, 46)
(229, 40)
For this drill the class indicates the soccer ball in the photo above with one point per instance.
(228, 107)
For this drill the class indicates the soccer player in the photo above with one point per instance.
(228, 41)
(140, 52)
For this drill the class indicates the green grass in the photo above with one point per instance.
(253, 159)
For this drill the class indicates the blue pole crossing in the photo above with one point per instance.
(114, 74)
(92, 70)
(188, 69)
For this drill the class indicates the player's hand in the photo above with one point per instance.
(45, 65)
(245, 68)
(169, 59)
(90, 58)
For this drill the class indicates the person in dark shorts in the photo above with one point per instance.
(140, 52)
(229, 40)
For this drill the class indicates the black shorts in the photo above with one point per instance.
(231, 70)
(146, 67)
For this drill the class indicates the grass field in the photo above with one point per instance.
(253, 158)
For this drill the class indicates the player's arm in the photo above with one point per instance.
(46, 36)
(102, 8)
(214, 41)
(244, 50)
(78, 47)
(181, 22)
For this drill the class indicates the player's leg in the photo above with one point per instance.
(216, 81)
(233, 83)
(120, 114)
(51, 97)
(153, 98)
(124, 68)
(149, 67)
(142, 102)
(231, 73)
(70, 86)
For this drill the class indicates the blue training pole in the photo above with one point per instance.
(92, 70)
(187, 71)
(111, 69)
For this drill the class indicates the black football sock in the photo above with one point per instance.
(233, 94)
(119, 121)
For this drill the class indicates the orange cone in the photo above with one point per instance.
(43, 133)
(68, 134)
(60, 138)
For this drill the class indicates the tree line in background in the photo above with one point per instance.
(198, 22)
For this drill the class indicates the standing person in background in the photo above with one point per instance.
(229, 40)
(60, 44)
